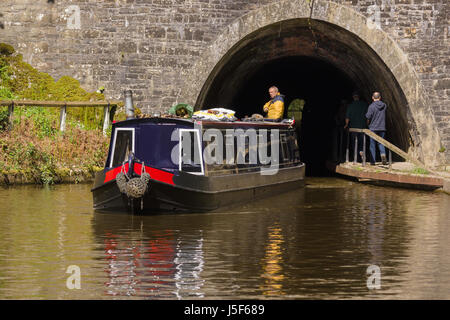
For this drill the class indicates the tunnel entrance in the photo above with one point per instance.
(312, 60)
(320, 84)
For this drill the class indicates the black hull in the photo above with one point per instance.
(193, 193)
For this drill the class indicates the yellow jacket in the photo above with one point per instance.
(275, 107)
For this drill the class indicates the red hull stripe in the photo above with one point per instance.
(111, 174)
(155, 174)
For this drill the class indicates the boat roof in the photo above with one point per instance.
(206, 123)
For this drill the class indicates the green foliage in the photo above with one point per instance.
(47, 170)
(45, 121)
(19, 80)
(418, 170)
(442, 149)
(6, 49)
(35, 147)
(5, 91)
(25, 81)
(182, 110)
(35, 158)
(3, 119)
(6, 94)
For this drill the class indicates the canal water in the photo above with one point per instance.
(333, 239)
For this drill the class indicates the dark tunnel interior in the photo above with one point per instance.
(319, 83)
(322, 67)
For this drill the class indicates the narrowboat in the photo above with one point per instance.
(175, 164)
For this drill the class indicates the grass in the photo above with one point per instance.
(418, 170)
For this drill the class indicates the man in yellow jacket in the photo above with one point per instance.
(275, 107)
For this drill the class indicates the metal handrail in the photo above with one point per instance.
(384, 142)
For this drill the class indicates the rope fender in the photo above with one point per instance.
(134, 187)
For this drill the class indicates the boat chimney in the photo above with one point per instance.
(129, 108)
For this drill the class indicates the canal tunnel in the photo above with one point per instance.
(313, 60)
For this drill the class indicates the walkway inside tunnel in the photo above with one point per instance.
(318, 62)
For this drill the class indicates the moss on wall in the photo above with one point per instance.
(34, 151)
(19, 80)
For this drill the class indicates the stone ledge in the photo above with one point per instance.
(382, 176)
(446, 186)
(61, 177)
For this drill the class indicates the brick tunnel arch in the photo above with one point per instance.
(321, 54)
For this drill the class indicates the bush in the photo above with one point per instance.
(6, 49)
(34, 146)
(44, 120)
(19, 80)
(4, 119)
(6, 94)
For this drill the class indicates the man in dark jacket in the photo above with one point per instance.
(376, 120)
(355, 118)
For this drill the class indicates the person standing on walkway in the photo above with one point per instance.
(355, 118)
(376, 120)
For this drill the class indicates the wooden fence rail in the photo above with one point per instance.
(63, 105)
(387, 144)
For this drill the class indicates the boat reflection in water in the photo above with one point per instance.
(162, 264)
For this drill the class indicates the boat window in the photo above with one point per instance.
(122, 147)
(190, 156)
(238, 160)
(284, 147)
(293, 147)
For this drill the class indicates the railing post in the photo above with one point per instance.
(390, 159)
(355, 156)
(105, 119)
(347, 151)
(62, 118)
(10, 115)
(364, 150)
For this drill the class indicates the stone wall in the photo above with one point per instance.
(146, 45)
(139, 44)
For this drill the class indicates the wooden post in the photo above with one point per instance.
(355, 156)
(105, 119)
(10, 115)
(62, 118)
